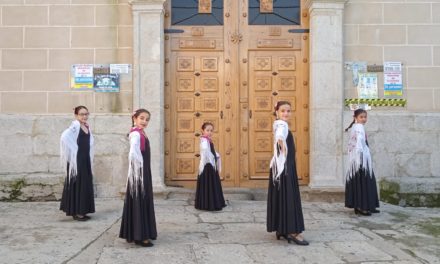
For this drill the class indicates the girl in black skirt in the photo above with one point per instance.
(138, 222)
(360, 182)
(209, 193)
(76, 152)
(284, 212)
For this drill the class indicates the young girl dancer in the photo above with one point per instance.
(284, 212)
(209, 193)
(138, 219)
(76, 152)
(360, 183)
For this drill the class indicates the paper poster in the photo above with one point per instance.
(120, 68)
(367, 86)
(358, 67)
(82, 76)
(393, 84)
(106, 82)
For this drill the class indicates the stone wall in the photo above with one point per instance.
(29, 160)
(41, 39)
(398, 30)
(405, 149)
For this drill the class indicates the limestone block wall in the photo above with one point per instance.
(30, 154)
(405, 142)
(398, 30)
(402, 144)
(41, 39)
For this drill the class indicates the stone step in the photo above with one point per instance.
(247, 194)
(31, 187)
(411, 191)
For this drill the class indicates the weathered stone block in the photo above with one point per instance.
(113, 124)
(418, 165)
(24, 102)
(46, 145)
(10, 127)
(31, 187)
(52, 125)
(411, 191)
(71, 15)
(382, 35)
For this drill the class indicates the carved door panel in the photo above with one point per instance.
(274, 57)
(228, 62)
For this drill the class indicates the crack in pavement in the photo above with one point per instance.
(92, 242)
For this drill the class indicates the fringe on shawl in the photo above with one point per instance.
(358, 152)
(278, 162)
(69, 149)
(206, 156)
(136, 165)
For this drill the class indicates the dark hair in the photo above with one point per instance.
(138, 113)
(279, 104)
(78, 108)
(205, 124)
(357, 112)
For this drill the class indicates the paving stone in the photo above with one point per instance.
(226, 217)
(222, 253)
(159, 254)
(359, 251)
(38, 232)
(288, 253)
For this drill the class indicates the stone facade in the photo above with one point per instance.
(40, 39)
(29, 159)
(407, 31)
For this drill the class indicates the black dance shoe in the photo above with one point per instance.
(375, 211)
(82, 219)
(143, 244)
(365, 213)
(293, 239)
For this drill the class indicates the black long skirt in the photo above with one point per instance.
(209, 192)
(361, 191)
(78, 196)
(138, 218)
(284, 210)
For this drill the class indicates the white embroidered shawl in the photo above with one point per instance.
(206, 156)
(135, 164)
(358, 151)
(280, 132)
(69, 148)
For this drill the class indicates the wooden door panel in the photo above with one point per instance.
(231, 71)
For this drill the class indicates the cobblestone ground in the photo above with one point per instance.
(39, 233)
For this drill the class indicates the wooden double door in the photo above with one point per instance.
(229, 62)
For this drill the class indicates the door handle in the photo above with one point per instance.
(197, 94)
(197, 73)
(250, 114)
(197, 114)
(197, 155)
(275, 93)
(221, 114)
(197, 134)
(274, 73)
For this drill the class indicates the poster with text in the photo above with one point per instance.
(393, 84)
(82, 77)
(367, 86)
(108, 83)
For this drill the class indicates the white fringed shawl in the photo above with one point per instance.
(358, 151)
(69, 149)
(136, 164)
(206, 156)
(280, 131)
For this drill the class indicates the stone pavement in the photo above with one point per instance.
(38, 233)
